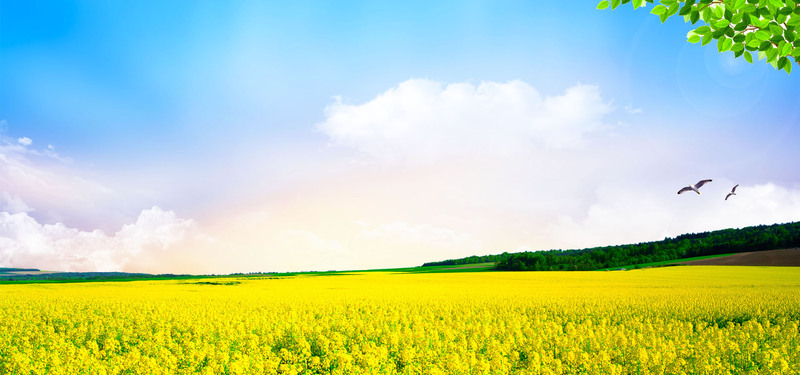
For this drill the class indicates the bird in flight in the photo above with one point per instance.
(733, 192)
(695, 187)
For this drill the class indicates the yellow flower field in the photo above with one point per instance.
(675, 320)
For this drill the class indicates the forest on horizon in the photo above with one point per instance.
(725, 241)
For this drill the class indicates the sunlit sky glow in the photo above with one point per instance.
(217, 137)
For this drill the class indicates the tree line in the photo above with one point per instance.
(757, 238)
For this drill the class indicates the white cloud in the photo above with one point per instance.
(422, 120)
(12, 203)
(43, 180)
(25, 141)
(24, 242)
(633, 111)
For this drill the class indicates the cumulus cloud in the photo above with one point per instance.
(25, 141)
(44, 180)
(12, 203)
(423, 120)
(24, 242)
(540, 172)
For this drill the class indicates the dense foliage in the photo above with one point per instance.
(766, 27)
(762, 237)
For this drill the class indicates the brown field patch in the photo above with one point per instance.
(784, 258)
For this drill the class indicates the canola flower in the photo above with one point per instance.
(676, 320)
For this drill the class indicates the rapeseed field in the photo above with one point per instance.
(675, 320)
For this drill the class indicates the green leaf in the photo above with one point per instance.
(659, 10)
(748, 57)
(772, 54)
(673, 9)
(614, 4)
(762, 35)
(707, 39)
(788, 68)
(719, 12)
(637, 3)
(739, 38)
(764, 12)
(738, 4)
(775, 29)
(721, 24)
(602, 5)
(784, 48)
(694, 38)
(789, 36)
(694, 16)
(702, 30)
(720, 43)
(686, 9)
(765, 45)
(782, 62)
(727, 44)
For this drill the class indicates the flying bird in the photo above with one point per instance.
(695, 187)
(733, 192)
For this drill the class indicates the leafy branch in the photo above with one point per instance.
(766, 27)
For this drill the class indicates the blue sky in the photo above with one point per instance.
(211, 117)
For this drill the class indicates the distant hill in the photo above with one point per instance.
(35, 275)
(749, 239)
(8, 270)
